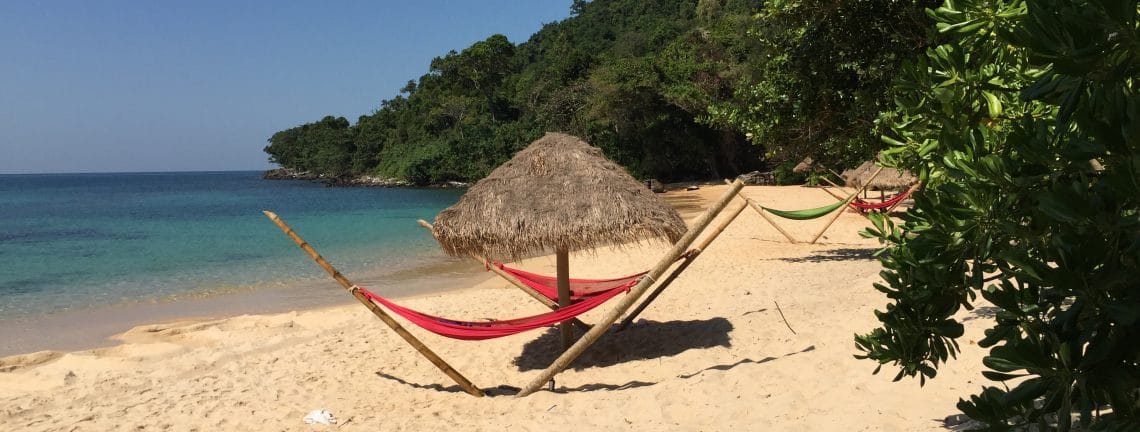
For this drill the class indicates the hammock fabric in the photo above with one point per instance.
(809, 213)
(579, 288)
(480, 330)
(864, 205)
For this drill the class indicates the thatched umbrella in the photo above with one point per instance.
(557, 194)
(888, 179)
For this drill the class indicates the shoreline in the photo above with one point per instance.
(97, 327)
(712, 353)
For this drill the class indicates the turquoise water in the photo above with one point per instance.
(75, 241)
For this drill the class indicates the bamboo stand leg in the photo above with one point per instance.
(829, 192)
(909, 191)
(395, 326)
(759, 210)
(689, 258)
(751, 202)
(518, 284)
(840, 212)
(635, 293)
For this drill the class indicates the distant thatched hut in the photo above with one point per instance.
(889, 179)
(557, 194)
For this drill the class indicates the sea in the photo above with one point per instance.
(83, 256)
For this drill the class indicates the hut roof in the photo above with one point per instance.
(558, 193)
(889, 179)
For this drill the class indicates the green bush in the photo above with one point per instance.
(1025, 127)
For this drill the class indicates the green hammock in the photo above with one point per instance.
(808, 213)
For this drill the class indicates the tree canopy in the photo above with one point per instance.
(1025, 125)
(632, 77)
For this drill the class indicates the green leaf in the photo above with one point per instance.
(993, 104)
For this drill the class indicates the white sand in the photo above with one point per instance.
(711, 354)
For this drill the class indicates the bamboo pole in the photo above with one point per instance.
(635, 293)
(833, 194)
(690, 256)
(516, 282)
(913, 188)
(395, 326)
(840, 211)
(760, 210)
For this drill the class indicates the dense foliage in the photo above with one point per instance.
(1025, 125)
(821, 72)
(630, 76)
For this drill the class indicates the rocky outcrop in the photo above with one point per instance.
(757, 178)
(351, 181)
(289, 174)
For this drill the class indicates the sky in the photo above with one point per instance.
(130, 86)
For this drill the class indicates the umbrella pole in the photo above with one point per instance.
(840, 212)
(395, 326)
(517, 283)
(564, 360)
(562, 257)
(689, 258)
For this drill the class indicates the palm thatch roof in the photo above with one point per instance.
(889, 179)
(559, 193)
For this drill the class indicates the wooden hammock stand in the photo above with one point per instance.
(764, 214)
(592, 334)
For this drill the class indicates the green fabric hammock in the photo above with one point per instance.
(808, 213)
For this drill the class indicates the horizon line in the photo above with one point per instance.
(134, 172)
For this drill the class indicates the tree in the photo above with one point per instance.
(819, 73)
(1025, 126)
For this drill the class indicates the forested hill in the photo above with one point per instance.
(633, 77)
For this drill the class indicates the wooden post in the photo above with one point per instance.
(395, 326)
(690, 256)
(562, 260)
(635, 293)
(840, 212)
(517, 283)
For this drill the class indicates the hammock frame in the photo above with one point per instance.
(763, 212)
(434, 358)
(574, 351)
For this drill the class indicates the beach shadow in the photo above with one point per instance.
(984, 312)
(642, 340)
(844, 254)
(745, 361)
(686, 204)
(502, 390)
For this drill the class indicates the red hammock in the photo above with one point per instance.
(864, 205)
(480, 330)
(579, 288)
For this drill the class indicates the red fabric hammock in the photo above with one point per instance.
(480, 330)
(864, 205)
(579, 288)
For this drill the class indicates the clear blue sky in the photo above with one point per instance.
(111, 86)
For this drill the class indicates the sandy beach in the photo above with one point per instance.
(712, 353)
